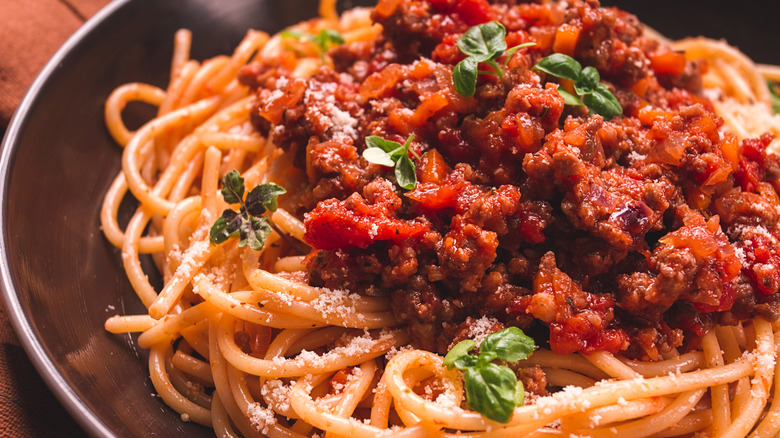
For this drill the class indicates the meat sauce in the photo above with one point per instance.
(621, 235)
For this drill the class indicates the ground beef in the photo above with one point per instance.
(594, 235)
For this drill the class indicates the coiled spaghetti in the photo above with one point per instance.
(240, 344)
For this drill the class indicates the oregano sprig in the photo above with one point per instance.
(323, 40)
(482, 43)
(590, 91)
(248, 223)
(393, 154)
(491, 389)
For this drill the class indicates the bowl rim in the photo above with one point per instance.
(20, 321)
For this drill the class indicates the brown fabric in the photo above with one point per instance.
(7, 335)
(27, 407)
(86, 8)
(30, 32)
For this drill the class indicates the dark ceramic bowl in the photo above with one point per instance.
(60, 277)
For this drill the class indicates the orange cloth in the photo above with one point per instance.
(31, 31)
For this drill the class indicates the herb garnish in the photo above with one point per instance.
(248, 222)
(593, 94)
(492, 390)
(393, 154)
(482, 43)
(774, 90)
(324, 40)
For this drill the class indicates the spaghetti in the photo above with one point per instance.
(261, 343)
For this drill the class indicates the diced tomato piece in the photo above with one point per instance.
(334, 225)
(667, 62)
(433, 168)
(473, 12)
(385, 8)
(435, 197)
(566, 39)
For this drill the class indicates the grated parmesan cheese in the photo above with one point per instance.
(277, 393)
(481, 328)
(262, 418)
(336, 302)
(321, 104)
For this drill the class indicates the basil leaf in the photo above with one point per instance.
(485, 357)
(375, 141)
(483, 42)
(329, 37)
(378, 156)
(519, 394)
(464, 77)
(491, 390)
(398, 153)
(462, 348)
(390, 153)
(292, 33)
(568, 98)
(262, 198)
(253, 232)
(560, 66)
(225, 227)
(405, 173)
(325, 39)
(587, 82)
(466, 361)
(510, 344)
(603, 102)
(232, 187)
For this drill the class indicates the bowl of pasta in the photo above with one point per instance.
(412, 217)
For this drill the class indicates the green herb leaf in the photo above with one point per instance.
(324, 40)
(225, 227)
(519, 394)
(378, 156)
(485, 357)
(596, 96)
(466, 361)
(262, 198)
(492, 391)
(327, 38)
(393, 154)
(246, 223)
(775, 98)
(603, 102)
(484, 41)
(510, 344)
(232, 187)
(560, 66)
(460, 349)
(292, 33)
(405, 173)
(253, 232)
(587, 82)
(375, 141)
(464, 77)
(568, 98)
